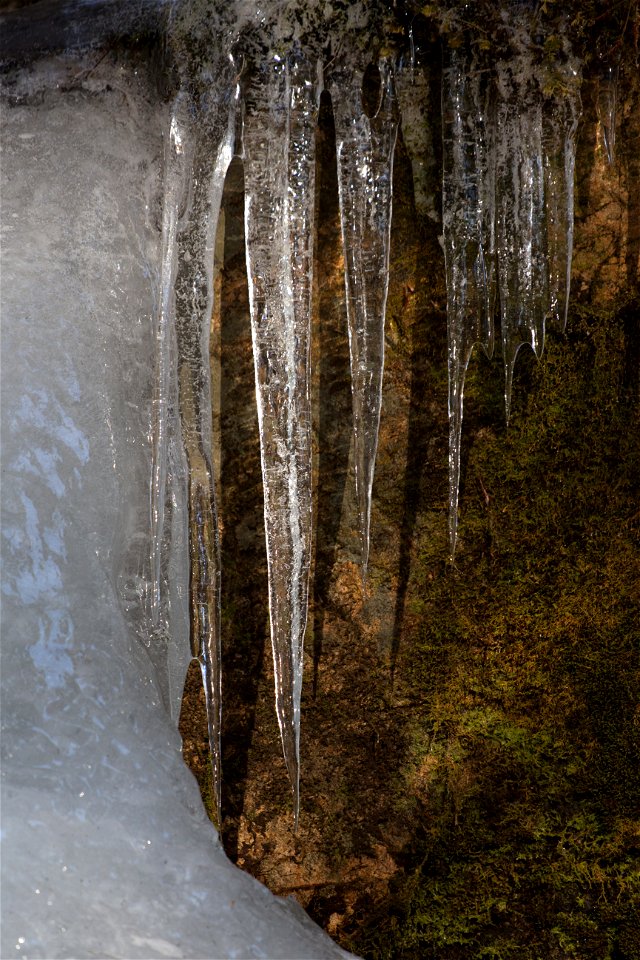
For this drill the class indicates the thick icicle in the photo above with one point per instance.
(467, 203)
(365, 149)
(279, 150)
(199, 150)
(521, 241)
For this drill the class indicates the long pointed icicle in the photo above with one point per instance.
(520, 213)
(211, 152)
(177, 172)
(467, 204)
(365, 149)
(607, 106)
(279, 147)
(559, 136)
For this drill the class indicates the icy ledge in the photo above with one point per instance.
(106, 850)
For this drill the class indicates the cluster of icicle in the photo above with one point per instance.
(268, 117)
(508, 174)
(509, 144)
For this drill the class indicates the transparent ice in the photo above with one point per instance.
(212, 132)
(560, 125)
(467, 204)
(111, 198)
(177, 180)
(509, 141)
(607, 105)
(279, 155)
(520, 213)
(364, 147)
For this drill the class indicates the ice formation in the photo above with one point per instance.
(199, 146)
(106, 849)
(508, 166)
(559, 142)
(176, 185)
(468, 230)
(110, 528)
(607, 105)
(279, 155)
(364, 149)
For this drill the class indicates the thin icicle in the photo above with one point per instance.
(365, 149)
(413, 90)
(279, 150)
(559, 134)
(607, 106)
(521, 241)
(204, 601)
(177, 173)
(211, 150)
(571, 131)
(468, 204)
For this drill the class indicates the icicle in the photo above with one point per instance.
(364, 149)
(279, 146)
(559, 134)
(467, 202)
(177, 172)
(204, 601)
(520, 213)
(414, 100)
(607, 105)
(509, 158)
(199, 150)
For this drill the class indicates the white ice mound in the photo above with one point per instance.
(106, 850)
